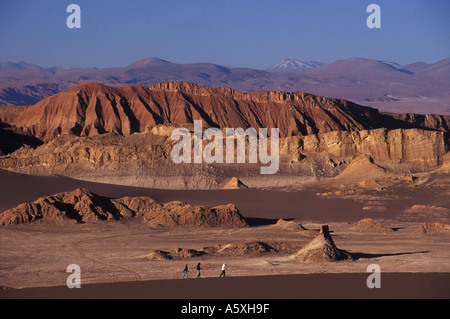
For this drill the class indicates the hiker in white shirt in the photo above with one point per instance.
(223, 270)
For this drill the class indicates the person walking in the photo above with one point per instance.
(223, 270)
(198, 270)
(185, 272)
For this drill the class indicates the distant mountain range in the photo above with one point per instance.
(415, 88)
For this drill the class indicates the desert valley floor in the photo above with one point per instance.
(123, 251)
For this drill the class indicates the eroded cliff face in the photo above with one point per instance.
(421, 149)
(136, 159)
(123, 134)
(92, 109)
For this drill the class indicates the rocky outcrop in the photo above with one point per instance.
(254, 248)
(176, 253)
(123, 134)
(428, 228)
(251, 248)
(176, 213)
(420, 148)
(235, 183)
(9, 112)
(367, 224)
(100, 151)
(362, 165)
(80, 205)
(431, 121)
(427, 212)
(83, 206)
(417, 149)
(245, 248)
(289, 225)
(321, 249)
(296, 227)
(92, 109)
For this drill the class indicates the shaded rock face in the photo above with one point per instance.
(13, 138)
(321, 249)
(83, 206)
(92, 109)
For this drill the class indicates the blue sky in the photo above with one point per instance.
(241, 33)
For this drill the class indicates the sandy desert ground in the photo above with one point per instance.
(37, 255)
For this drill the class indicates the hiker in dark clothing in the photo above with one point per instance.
(198, 270)
(185, 272)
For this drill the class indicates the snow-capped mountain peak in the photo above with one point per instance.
(292, 65)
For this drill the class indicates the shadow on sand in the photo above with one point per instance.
(256, 221)
(357, 256)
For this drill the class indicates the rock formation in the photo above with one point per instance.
(362, 165)
(92, 109)
(293, 226)
(177, 213)
(419, 150)
(427, 212)
(321, 249)
(235, 183)
(245, 248)
(428, 228)
(156, 254)
(417, 147)
(250, 248)
(176, 253)
(81, 205)
(289, 225)
(123, 135)
(367, 224)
